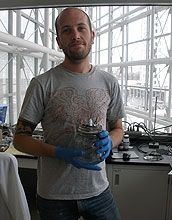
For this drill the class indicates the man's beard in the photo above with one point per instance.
(77, 55)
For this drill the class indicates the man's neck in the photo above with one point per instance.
(78, 67)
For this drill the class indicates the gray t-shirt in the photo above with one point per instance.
(61, 100)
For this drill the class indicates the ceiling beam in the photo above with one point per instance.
(21, 4)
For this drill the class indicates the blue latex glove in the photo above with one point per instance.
(71, 156)
(105, 144)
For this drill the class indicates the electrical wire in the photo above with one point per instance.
(135, 126)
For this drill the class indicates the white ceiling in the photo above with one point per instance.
(11, 4)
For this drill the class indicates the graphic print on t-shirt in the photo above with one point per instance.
(67, 108)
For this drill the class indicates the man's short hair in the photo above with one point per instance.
(56, 21)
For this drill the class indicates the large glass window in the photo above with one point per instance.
(4, 21)
(131, 42)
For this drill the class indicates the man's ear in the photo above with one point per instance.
(92, 36)
(58, 42)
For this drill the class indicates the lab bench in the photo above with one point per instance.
(141, 188)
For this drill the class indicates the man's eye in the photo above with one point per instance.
(80, 28)
(66, 31)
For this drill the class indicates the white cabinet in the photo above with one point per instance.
(140, 191)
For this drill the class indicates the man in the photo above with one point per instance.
(62, 98)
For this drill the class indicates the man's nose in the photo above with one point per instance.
(75, 35)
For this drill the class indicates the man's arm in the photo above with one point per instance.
(116, 131)
(110, 138)
(23, 140)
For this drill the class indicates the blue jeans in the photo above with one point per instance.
(101, 207)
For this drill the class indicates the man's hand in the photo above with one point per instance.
(105, 144)
(71, 156)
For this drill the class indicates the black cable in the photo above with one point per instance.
(164, 127)
(135, 126)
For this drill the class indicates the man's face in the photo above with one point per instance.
(74, 35)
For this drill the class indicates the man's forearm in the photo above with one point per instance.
(116, 136)
(24, 141)
(116, 131)
(30, 145)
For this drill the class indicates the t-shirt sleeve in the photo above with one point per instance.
(33, 104)
(116, 106)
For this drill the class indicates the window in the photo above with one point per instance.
(133, 43)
